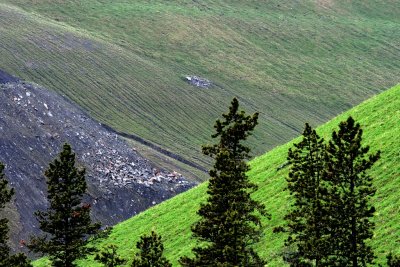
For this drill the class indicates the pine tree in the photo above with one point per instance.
(151, 252)
(109, 257)
(5, 197)
(67, 220)
(350, 192)
(229, 223)
(307, 221)
(18, 260)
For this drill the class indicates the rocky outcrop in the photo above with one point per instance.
(34, 123)
(198, 81)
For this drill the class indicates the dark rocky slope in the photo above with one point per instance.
(34, 123)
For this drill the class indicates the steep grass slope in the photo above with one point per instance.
(123, 61)
(380, 119)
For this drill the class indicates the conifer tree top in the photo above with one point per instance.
(67, 221)
(150, 252)
(230, 221)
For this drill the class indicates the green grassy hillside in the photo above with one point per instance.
(123, 61)
(380, 119)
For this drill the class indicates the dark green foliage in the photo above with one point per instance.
(109, 257)
(151, 252)
(5, 197)
(229, 225)
(393, 261)
(18, 260)
(67, 221)
(330, 219)
(350, 191)
(307, 221)
(101, 235)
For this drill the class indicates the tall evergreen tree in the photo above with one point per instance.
(67, 220)
(18, 260)
(109, 257)
(5, 197)
(307, 220)
(349, 197)
(150, 252)
(229, 222)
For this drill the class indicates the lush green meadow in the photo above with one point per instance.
(123, 61)
(380, 119)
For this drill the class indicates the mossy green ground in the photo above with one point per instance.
(380, 120)
(123, 61)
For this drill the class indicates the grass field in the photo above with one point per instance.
(380, 120)
(123, 61)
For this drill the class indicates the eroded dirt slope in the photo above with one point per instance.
(34, 123)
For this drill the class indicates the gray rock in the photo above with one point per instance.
(198, 81)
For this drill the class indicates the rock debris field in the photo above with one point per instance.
(35, 122)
